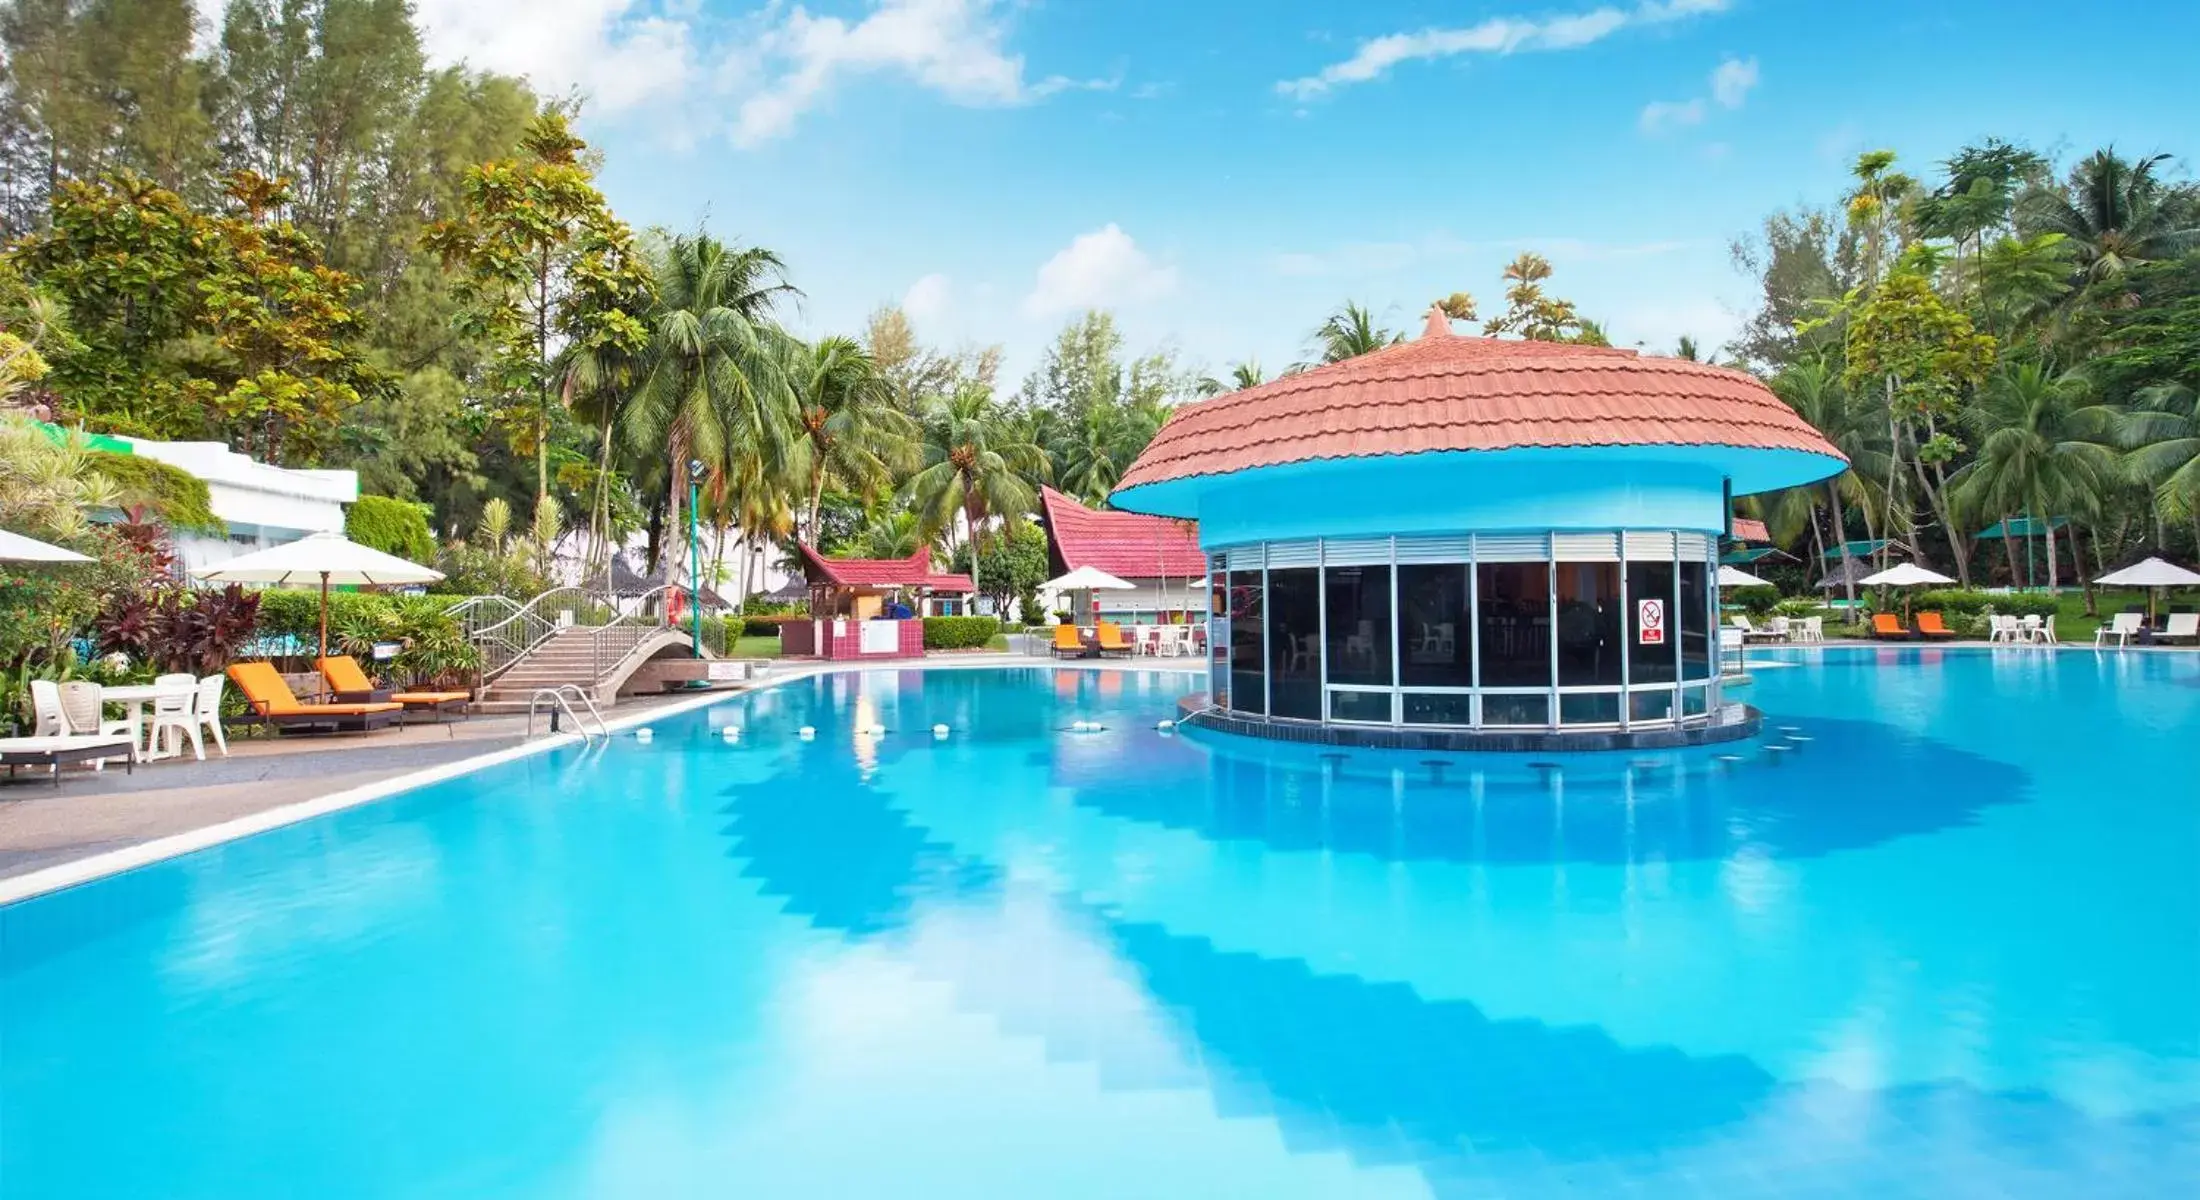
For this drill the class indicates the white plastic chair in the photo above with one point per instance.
(2121, 627)
(81, 713)
(46, 715)
(207, 712)
(173, 708)
(1814, 629)
(2182, 627)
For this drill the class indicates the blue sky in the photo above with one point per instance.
(1222, 174)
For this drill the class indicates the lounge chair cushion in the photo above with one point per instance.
(428, 697)
(269, 696)
(343, 674)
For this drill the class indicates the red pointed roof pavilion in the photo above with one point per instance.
(913, 571)
(1125, 545)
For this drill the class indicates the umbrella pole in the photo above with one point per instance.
(324, 614)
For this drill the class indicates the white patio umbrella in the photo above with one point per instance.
(1087, 579)
(1736, 577)
(320, 557)
(14, 547)
(2151, 573)
(1904, 575)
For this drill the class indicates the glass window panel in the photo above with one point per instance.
(1439, 708)
(1590, 630)
(1533, 709)
(1695, 701)
(1294, 643)
(1435, 632)
(1218, 636)
(1359, 625)
(1245, 642)
(1360, 706)
(1650, 660)
(1514, 624)
(1695, 621)
(1647, 707)
(1592, 708)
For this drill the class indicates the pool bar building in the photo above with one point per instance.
(1466, 542)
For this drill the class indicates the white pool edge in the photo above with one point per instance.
(84, 870)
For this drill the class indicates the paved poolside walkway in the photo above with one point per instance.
(93, 812)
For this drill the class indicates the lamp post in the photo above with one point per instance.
(695, 552)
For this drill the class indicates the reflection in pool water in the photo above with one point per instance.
(1945, 941)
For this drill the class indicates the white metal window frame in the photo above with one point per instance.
(1469, 551)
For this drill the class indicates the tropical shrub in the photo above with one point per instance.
(1975, 603)
(769, 624)
(959, 633)
(1756, 601)
(177, 628)
(398, 527)
(433, 647)
(173, 494)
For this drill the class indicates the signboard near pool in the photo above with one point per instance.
(1650, 620)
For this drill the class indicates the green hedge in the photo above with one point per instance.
(175, 495)
(435, 649)
(1756, 601)
(1975, 603)
(959, 633)
(398, 527)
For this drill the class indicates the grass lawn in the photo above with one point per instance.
(2071, 622)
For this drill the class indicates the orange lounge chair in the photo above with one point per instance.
(1067, 642)
(1929, 625)
(273, 702)
(352, 686)
(1112, 640)
(1887, 627)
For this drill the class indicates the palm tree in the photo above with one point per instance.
(2042, 446)
(1813, 388)
(2116, 214)
(2163, 436)
(713, 387)
(851, 431)
(977, 461)
(1242, 375)
(1350, 332)
(894, 533)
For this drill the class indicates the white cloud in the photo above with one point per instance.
(1101, 269)
(926, 300)
(1731, 82)
(1498, 35)
(619, 53)
(1661, 115)
(953, 47)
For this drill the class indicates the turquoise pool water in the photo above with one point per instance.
(1938, 934)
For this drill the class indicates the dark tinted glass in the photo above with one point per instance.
(1695, 620)
(1435, 632)
(1245, 642)
(1650, 657)
(1439, 708)
(1294, 643)
(1515, 624)
(1359, 625)
(1590, 629)
(1372, 707)
(1516, 710)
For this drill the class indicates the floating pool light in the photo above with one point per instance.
(806, 732)
(1164, 726)
(939, 731)
(643, 734)
(731, 733)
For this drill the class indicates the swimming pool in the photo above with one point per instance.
(1937, 934)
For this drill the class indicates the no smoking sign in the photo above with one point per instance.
(1650, 622)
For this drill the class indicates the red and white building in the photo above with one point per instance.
(1159, 556)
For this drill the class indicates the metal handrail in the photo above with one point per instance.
(557, 696)
(505, 641)
(602, 725)
(605, 654)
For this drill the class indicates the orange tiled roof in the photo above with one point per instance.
(1125, 545)
(1749, 529)
(1445, 392)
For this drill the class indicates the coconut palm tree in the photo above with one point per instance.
(1813, 388)
(1242, 375)
(2043, 446)
(712, 385)
(2162, 432)
(1350, 332)
(851, 431)
(2115, 214)
(977, 462)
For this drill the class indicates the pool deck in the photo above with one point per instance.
(124, 816)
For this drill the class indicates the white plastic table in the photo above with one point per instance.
(133, 697)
